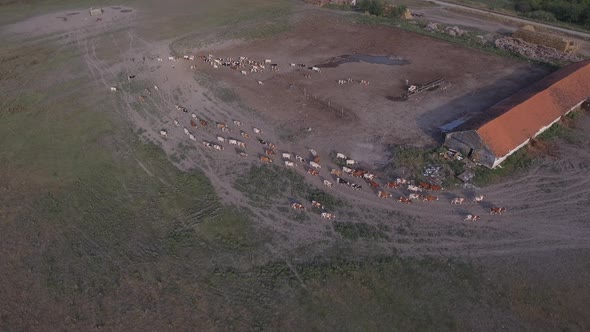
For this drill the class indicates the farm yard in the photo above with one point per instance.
(263, 170)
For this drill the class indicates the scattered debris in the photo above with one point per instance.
(432, 27)
(533, 51)
(455, 31)
(466, 176)
(433, 171)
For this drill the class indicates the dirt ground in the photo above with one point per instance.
(361, 120)
(546, 206)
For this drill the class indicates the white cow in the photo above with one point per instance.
(176, 123)
(286, 156)
(163, 133)
(341, 156)
(401, 181)
(256, 130)
(186, 131)
(299, 159)
(220, 139)
(160, 60)
(458, 200)
(170, 58)
(414, 196)
(479, 198)
(192, 137)
(289, 163)
(233, 142)
(315, 165)
(260, 83)
(156, 87)
(328, 184)
(244, 72)
(414, 188)
(267, 61)
(194, 116)
(237, 123)
(316, 69)
(327, 215)
(347, 170)
(114, 89)
(350, 162)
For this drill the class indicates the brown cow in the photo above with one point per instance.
(358, 173)
(429, 198)
(435, 188)
(269, 152)
(203, 123)
(313, 172)
(374, 184)
(193, 123)
(336, 172)
(497, 210)
(404, 200)
(392, 185)
(424, 185)
(265, 159)
(383, 194)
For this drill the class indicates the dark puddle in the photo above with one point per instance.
(126, 10)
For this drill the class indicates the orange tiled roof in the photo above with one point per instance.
(522, 115)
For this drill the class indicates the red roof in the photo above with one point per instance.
(523, 115)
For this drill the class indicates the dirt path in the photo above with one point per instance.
(512, 18)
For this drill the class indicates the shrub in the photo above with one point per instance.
(541, 15)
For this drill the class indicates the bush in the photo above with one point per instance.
(562, 10)
(541, 15)
(398, 11)
(374, 7)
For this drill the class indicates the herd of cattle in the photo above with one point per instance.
(245, 66)
(422, 191)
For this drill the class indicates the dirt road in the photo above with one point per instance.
(516, 19)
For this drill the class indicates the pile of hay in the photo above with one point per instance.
(528, 34)
(534, 51)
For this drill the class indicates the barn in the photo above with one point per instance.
(490, 137)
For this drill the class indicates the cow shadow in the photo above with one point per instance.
(444, 118)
